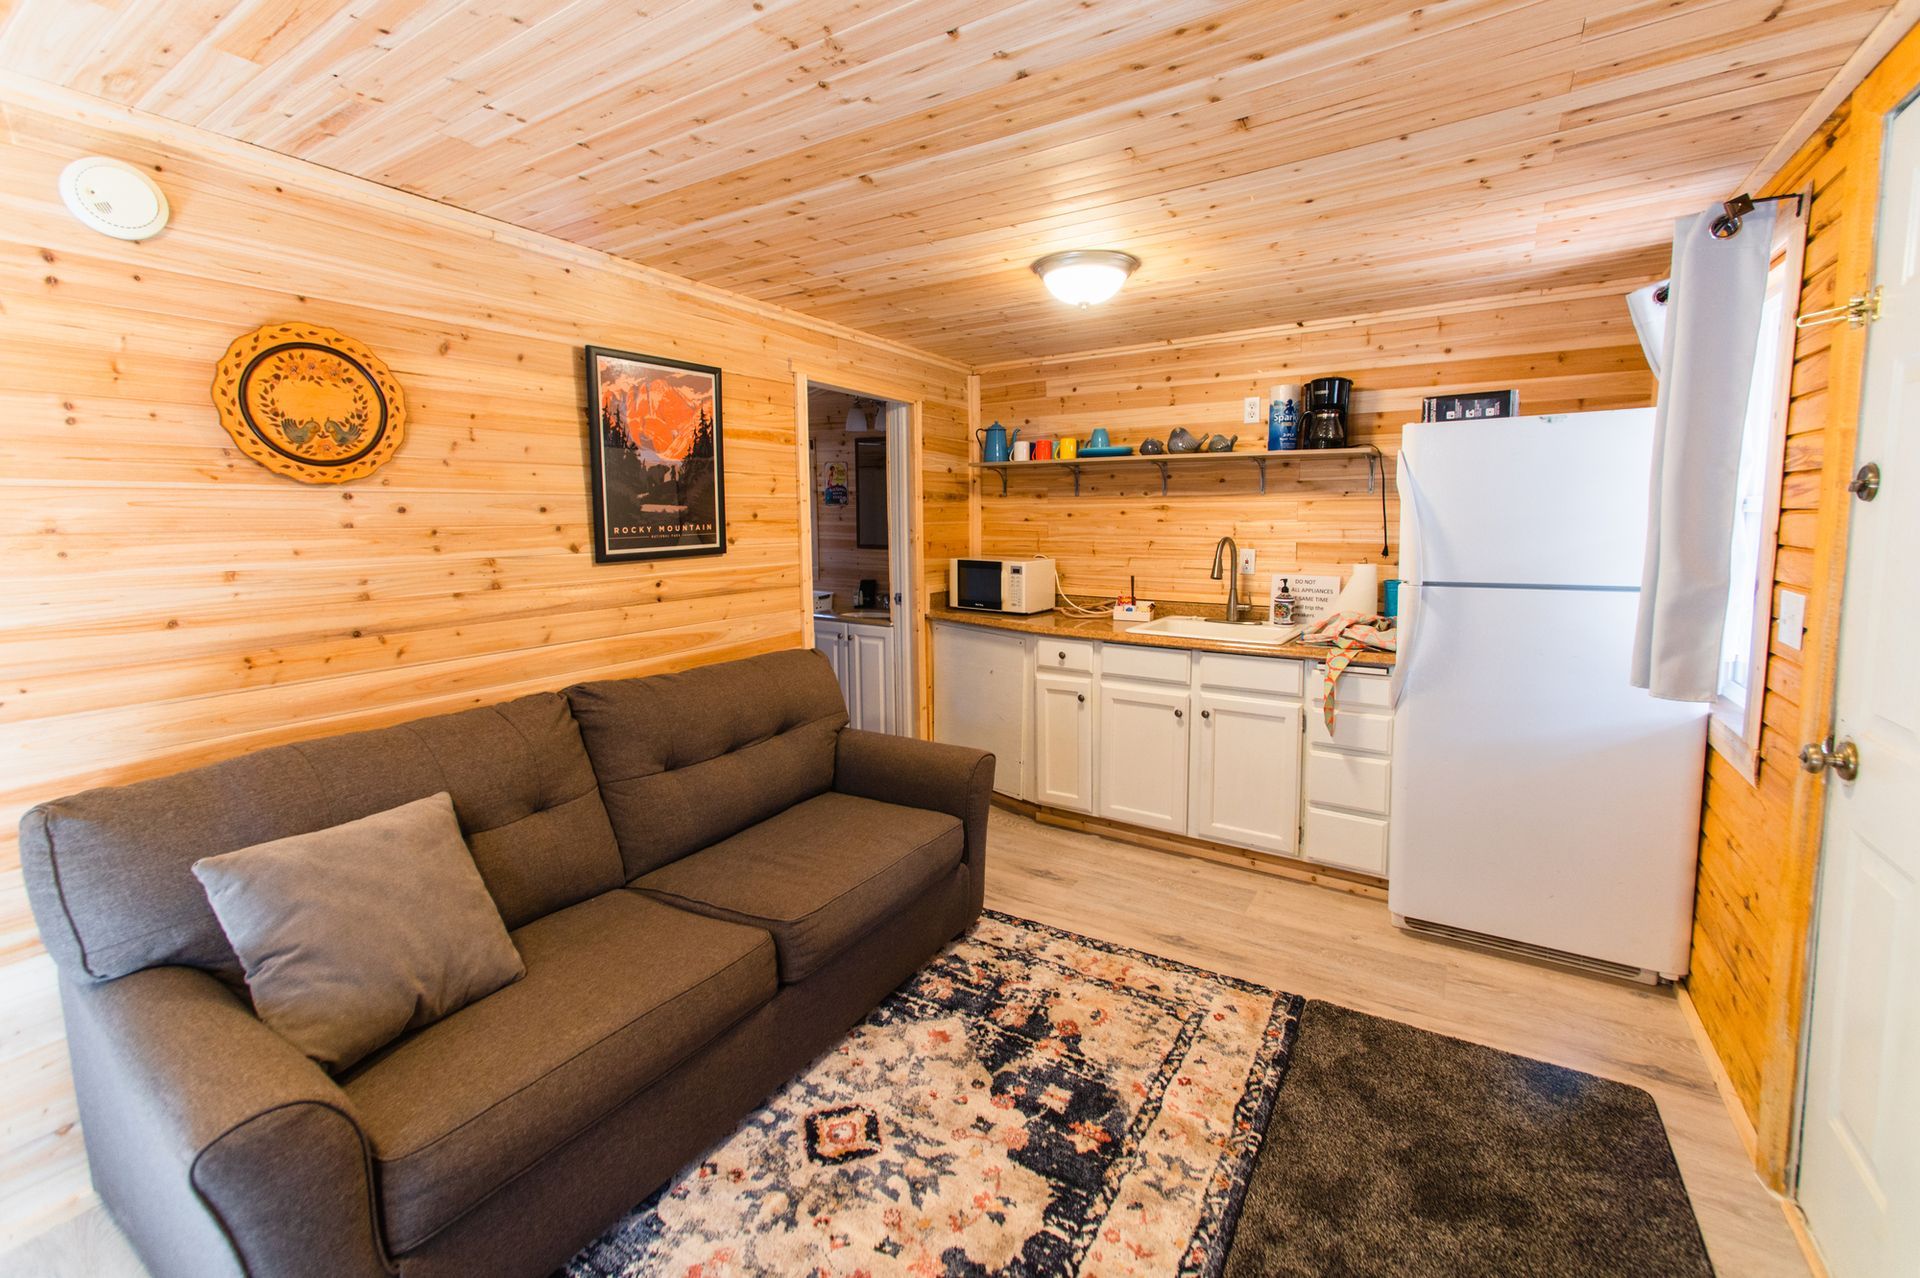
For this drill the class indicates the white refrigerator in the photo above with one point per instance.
(1540, 803)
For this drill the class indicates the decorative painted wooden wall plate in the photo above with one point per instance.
(309, 403)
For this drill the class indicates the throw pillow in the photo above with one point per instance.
(353, 935)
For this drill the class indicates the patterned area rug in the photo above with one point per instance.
(1031, 1103)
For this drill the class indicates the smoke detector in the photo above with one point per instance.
(114, 198)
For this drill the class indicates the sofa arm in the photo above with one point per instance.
(923, 774)
(216, 1143)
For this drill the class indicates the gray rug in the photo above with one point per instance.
(1394, 1151)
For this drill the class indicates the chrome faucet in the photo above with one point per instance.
(1237, 608)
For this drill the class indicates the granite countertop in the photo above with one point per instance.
(1062, 625)
(857, 616)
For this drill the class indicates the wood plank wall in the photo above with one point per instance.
(839, 562)
(1563, 353)
(1760, 837)
(171, 603)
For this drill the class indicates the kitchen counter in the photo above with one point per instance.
(1062, 625)
(857, 616)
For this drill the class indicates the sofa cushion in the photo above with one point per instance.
(108, 869)
(357, 933)
(618, 990)
(818, 876)
(686, 759)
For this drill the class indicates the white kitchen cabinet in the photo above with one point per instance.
(983, 698)
(1246, 770)
(870, 652)
(1142, 764)
(862, 659)
(1348, 772)
(1063, 731)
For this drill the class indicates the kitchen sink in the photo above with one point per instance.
(1254, 633)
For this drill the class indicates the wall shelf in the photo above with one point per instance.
(1167, 463)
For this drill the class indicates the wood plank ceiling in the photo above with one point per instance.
(896, 164)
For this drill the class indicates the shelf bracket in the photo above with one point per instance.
(1003, 481)
(1076, 480)
(1262, 463)
(1162, 468)
(1375, 457)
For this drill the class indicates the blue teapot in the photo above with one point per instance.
(996, 445)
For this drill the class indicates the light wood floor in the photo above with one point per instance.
(1323, 944)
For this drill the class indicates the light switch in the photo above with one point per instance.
(1793, 619)
(1250, 411)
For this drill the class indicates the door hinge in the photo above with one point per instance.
(1854, 312)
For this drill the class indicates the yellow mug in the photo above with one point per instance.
(1067, 447)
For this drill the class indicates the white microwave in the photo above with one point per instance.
(1001, 585)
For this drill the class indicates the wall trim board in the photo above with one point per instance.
(318, 178)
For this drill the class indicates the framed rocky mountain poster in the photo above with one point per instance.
(656, 455)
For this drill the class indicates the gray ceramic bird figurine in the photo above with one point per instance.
(1221, 444)
(1182, 440)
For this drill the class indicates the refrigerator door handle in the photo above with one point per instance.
(1411, 523)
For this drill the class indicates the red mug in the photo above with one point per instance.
(1043, 450)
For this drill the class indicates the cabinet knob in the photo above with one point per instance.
(1080, 695)
(1206, 714)
(1063, 654)
(1179, 714)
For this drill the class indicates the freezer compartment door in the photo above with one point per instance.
(1558, 500)
(1536, 796)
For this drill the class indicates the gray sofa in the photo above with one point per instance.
(709, 876)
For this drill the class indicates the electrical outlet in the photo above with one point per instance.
(1250, 411)
(1793, 619)
(1246, 559)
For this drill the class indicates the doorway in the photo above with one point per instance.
(1860, 1117)
(861, 554)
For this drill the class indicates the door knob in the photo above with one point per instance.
(1866, 482)
(1842, 757)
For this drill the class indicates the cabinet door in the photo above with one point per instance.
(1063, 709)
(870, 693)
(1143, 755)
(983, 698)
(1246, 770)
(830, 641)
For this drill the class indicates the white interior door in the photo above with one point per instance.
(904, 688)
(1860, 1136)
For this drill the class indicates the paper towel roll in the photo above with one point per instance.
(1361, 594)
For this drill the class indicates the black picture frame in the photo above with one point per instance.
(656, 452)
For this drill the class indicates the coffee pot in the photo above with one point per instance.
(995, 444)
(1324, 422)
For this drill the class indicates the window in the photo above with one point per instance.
(1735, 726)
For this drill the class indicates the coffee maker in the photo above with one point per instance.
(1323, 416)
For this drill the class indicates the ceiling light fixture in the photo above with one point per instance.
(1085, 277)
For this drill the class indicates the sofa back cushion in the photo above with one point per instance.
(686, 759)
(109, 871)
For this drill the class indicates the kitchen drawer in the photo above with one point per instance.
(1218, 670)
(1063, 654)
(1366, 733)
(1348, 781)
(1345, 839)
(1357, 687)
(1125, 661)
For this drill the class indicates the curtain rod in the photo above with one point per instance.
(1727, 225)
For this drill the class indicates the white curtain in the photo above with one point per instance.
(1714, 303)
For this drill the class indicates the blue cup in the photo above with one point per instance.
(1099, 438)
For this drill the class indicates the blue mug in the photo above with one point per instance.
(1099, 438)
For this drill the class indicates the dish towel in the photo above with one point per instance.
(1347, 634)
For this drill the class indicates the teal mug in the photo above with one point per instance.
(1098, 439)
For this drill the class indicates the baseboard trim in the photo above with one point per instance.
(1722, 1081)
(1348, 881)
